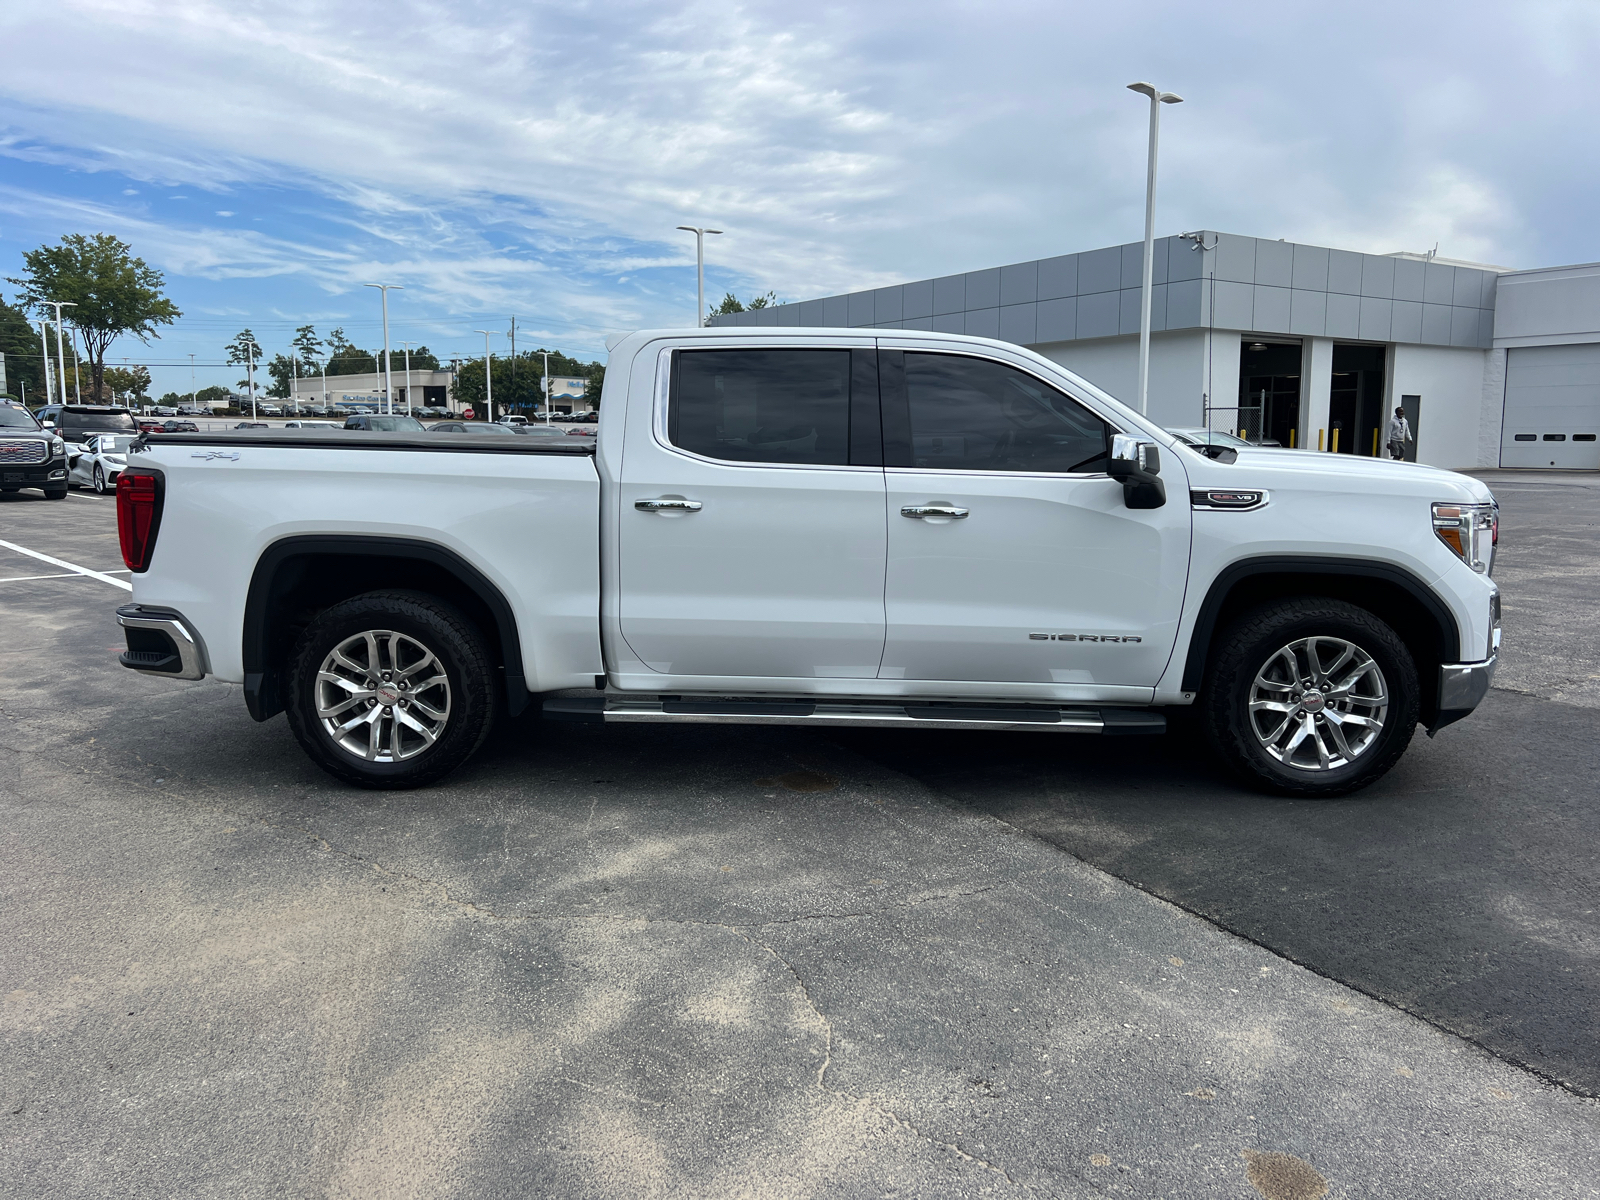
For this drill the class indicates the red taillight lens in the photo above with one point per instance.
(138, 513)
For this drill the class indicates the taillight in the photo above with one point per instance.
(138, 517)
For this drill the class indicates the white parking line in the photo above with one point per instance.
(73, 567)
(57, 575)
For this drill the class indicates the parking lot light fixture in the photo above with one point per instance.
(488, 374)
(1157, 99)
(388, 391)
(699, 270)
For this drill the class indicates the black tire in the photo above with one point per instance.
(99, 480)
(1251, 659)
(404, 625)
(56, 493)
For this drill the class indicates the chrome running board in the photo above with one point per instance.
(721, 710)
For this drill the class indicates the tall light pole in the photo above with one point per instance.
(388, 391)
(700, 270)
(194, 388)
(544, 388)
(488, 374)
(250, 374)
(1157, 99)
(408, 346)
(324, 365)
(44, 346)
(294, 375)
(61, 360)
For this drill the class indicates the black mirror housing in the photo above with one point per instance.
(1137, 464)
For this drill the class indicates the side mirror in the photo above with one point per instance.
(1137, 464)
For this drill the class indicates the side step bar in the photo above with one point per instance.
(857, 714)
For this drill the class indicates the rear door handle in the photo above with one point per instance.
(667, 505)
(934, 510)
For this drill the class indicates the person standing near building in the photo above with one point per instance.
(1399, 434)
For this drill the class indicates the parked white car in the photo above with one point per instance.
(99, 461)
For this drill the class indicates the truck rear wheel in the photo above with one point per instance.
(1310, 697)
(391, 690)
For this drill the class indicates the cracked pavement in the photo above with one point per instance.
(645, 961)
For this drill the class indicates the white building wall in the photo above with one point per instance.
(1452, 386)
(1177, 370)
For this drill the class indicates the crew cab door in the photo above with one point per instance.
(751, 537)
(1013, 558)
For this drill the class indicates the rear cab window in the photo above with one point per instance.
(781, 406)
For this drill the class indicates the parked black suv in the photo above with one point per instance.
(74, 422)
(30, 455)
(384, 422)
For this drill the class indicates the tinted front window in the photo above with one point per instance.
(971, 414)
(16, 418)
(114, 422)
(773, 406)
(394, 424)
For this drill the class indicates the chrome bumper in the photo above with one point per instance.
(1462, 687)
(161, 642)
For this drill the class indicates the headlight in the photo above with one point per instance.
(57, 447)
(1472, 531)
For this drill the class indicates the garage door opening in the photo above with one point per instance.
(1355, 400)
(1269, 392)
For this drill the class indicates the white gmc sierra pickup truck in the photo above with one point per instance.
(816, 527)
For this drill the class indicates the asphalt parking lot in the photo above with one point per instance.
(642, 961)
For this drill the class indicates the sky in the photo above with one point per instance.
(493, 158)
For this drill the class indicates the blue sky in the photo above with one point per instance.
(534, 159)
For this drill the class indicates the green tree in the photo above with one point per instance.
(172, 399)
(113, 292)
(346, 358)
(19, 342)
(243, 350)
(129, 382)
(732, 304)
(213, 395)
(307, 345)
(520, 392)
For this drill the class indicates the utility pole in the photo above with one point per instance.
(408, 346)
(324, 366)
(250, 361)
(388, 391)
(194, 390)
(488, 373)
(61, 360)
(699, 271)
(77, 357)
(44, 346)
(294, 374)
(544, 388)
(513, 358)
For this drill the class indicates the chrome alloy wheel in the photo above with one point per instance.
(1318, 703)
(383, 696)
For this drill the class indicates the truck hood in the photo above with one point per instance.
(1322, 471)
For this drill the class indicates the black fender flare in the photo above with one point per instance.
(1205, 625)
(263, 691)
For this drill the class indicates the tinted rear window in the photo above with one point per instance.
(98, 422)
(774, 406)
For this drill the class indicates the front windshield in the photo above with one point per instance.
(12, 417)
(114, 445)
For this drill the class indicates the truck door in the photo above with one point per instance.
(1012, 556)
(752, 539)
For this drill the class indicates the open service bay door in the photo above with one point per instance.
(1013, 557)
(751, 524)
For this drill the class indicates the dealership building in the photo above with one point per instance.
(1305, 345)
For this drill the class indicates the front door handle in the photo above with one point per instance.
(948, 511)
(667, 505)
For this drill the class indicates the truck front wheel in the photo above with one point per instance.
(1310, 697)
(391, 689)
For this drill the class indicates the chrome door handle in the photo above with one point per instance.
(933, 510)
(667, 505)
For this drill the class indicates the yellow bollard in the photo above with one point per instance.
(1335, 446)
(1291, 439)
(1320, 432)
(1374, 443)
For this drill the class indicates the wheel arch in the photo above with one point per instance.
(299, 576)
(1393, 594)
